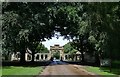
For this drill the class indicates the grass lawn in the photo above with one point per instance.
(0, 71)
(102, 71)
(19, 70)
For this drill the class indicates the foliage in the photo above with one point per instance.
(93, 27)
(42, 49)
(69, 49)
(104, 27)
(23, 26)
(56, 54)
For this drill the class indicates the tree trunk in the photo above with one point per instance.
(82, 55)
(22, 56)
(22, 51)
(33, 56)
(111, 61)
(97, 59)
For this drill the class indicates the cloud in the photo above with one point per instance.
(54, 40)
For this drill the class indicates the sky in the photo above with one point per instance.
(54, 40)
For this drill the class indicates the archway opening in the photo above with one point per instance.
(56, 54)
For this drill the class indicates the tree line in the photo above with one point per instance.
(93, 27)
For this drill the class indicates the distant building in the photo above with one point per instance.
(47, 56)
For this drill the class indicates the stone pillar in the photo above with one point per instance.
(12, 57)
(26, 56)
(39, 56)
(61, 54)
(43, 56)
(74, 57)
(65, 57)
(49, 56)
(35, 57)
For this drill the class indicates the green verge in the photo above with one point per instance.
(19, 70)
(104, 72)
(0, 71)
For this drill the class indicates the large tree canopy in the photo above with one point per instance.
(93, 27)
(24, 26)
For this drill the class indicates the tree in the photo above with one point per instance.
(42, 49)
(23, 26)
(68, 48)
(91, 26)
(103, 21)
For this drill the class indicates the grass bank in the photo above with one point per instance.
(19, 70)
(0, 71)
(104, 71)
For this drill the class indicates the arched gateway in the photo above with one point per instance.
(56, 51)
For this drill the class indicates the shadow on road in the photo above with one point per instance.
(26, 64)
(43, 63)
(58, 63)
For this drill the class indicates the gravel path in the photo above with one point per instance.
(65, 70)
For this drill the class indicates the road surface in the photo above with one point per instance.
(58, 68)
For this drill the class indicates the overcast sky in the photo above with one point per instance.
(54, 40)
